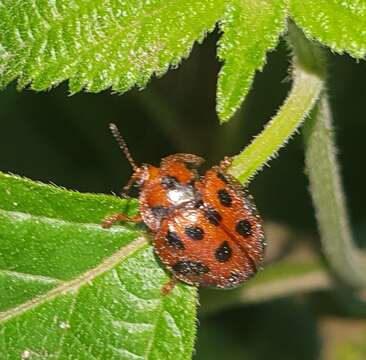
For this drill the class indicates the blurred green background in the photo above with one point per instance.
(61, 139)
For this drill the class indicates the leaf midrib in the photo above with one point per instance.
(75, 284)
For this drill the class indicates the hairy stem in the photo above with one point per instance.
(308, 82)
(329, 202)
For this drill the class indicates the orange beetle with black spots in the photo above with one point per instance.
(207, 231)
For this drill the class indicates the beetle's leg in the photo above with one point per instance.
(169, 286)
(110, 220)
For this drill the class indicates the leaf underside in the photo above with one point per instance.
(250, 28)
(70, 289)
(336, 23)
(98, 44)
(120, 44)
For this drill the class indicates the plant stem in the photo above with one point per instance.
(324, 177)
(328, 198)
(308, 82)
(309, 72)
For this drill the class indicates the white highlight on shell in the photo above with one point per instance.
(180, 195)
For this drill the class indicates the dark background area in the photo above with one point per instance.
(65, 140)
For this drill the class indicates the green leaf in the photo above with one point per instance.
(338, 24)
(98, 44)
(71, 289)
(251, 28)
(308, 83)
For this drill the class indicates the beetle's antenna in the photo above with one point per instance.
(122, 144)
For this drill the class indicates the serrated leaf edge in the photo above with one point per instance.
(335, 48)
(219, 96)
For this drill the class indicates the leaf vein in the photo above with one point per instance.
(159, 313)
(68, 320)
(75, 284)
(30, 277)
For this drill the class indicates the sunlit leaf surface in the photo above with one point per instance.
(98, 44)
(70, 289)
(338, 24)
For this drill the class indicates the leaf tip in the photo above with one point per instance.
(223, 112)
(228, 103)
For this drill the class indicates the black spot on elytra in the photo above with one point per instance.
(244, 228)
(169, 182)
(194, 232)
(222, 177)
(198, 204)
(174, 240)
(213, 216)
(159, 211)
(188, 267)
(224, 197)
(223, 252)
